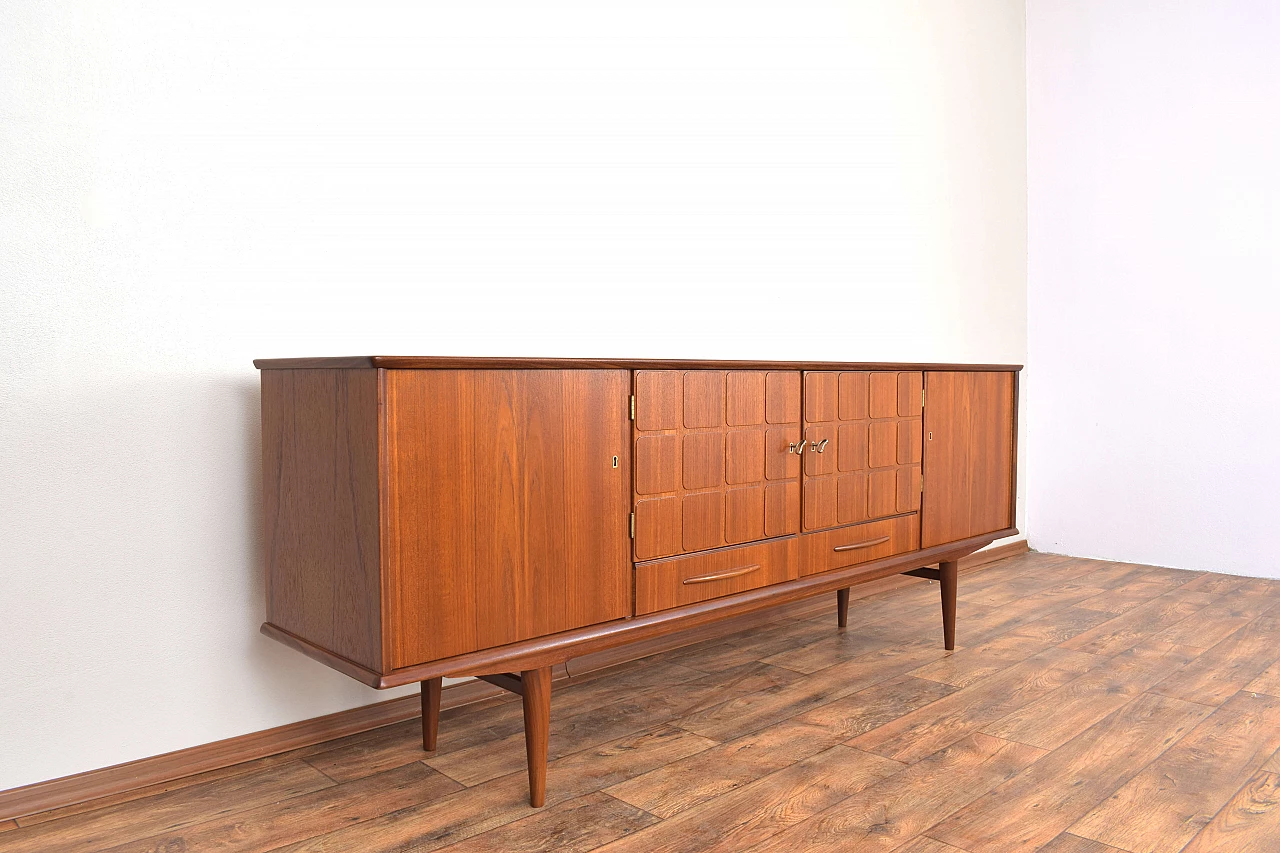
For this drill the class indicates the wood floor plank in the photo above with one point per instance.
(998, 573)
(916, 735)
(1060, 715)
(925, 844)
(886, 815)
(1176, 796)
(1060, 625)
(1068, 843)
(875, 706)
(569, 734)
(1216, 584)
(1223, 670)
(103, 828)
(1267, 682)
(1141, 623)
(275, 824)
(7, 825)
(699, 778)
(1176, 577)
(571, 826)
(1039, 563)
(1258, 586)
(748, 647)
(1108, 575)
(1016, 586)
(1249, 823)
(975, 629)
(1213, 624)
(972, 664)
(689, 782)
(473, 811)
(367, 757)
(746, 714)
(756, 812)
(1036, 806)
(834, 647)
(1124, 598)
(602, 688)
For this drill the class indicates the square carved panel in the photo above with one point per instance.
(870, 467)
(712, 459)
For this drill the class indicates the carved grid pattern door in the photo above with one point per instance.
(712, 466)
(870, 466)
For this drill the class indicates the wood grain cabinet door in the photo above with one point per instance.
(968, 455)
(712, 466)
(506, 506)
(862, 433)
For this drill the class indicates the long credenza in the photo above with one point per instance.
(431, 517)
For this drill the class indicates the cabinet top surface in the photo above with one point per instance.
(435, 362)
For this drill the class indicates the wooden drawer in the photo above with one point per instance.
(662, 584)
(860, 543)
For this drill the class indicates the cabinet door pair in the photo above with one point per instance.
(718, 454)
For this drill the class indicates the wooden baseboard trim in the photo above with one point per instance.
(996, 552)
(108, 781)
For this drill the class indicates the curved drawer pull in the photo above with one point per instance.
(732, 573)
(856, 545)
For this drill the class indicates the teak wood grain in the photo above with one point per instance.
(505, 513)
(968, 454)
(748, 759)
(320, 508)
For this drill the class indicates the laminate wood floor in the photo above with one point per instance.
(1092, 707)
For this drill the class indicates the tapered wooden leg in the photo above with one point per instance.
(947, 572)
(536, 684)
(842, 607)
(430, 713)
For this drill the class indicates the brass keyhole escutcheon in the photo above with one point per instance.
(615, 462)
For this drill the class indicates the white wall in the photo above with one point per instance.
(187, 186)
(1154, 192)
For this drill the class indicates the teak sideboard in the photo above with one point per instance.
(432, 517)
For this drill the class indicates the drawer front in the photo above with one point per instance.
(663, 584)
(861, 543)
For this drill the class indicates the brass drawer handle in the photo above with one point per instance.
(732, 573)
(856, 545)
